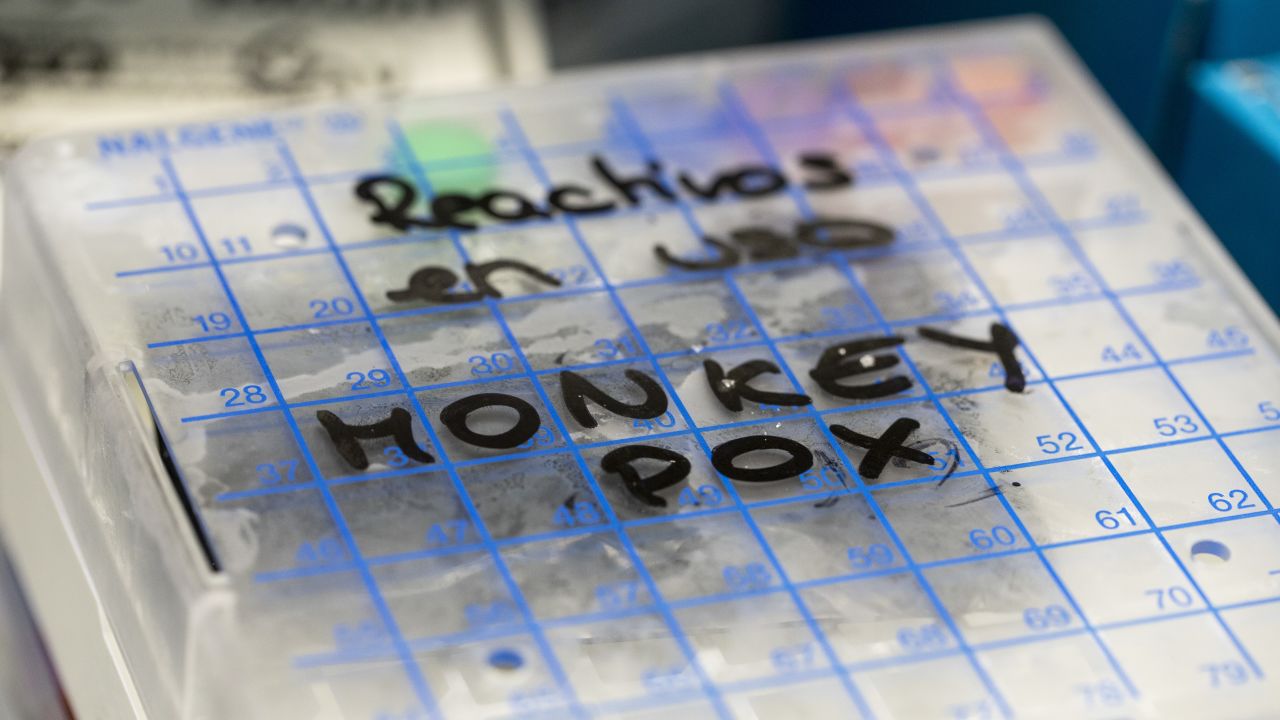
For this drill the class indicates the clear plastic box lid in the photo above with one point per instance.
(875, 378)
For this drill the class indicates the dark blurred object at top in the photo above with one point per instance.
(582, 32)
(67, 63)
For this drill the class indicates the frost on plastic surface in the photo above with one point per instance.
(854, 380)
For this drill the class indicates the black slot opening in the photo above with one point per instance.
(188, 507)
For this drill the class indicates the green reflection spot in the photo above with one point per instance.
(460, 150)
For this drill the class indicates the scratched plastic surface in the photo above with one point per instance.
(1106, 544)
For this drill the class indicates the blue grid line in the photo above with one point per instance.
(730, 99)
(647, 150)
(664, 609)
(504, 228)
(682, 276)
(1042, 229)
(1070, 300)
(396, 473)
(688, 135)
(281, 255)
(302, 188)
(678, 635)
(1059, 378)
(250, 188)
(897, 400)
(411, 237)
(869, 129)
(764, 504)
(194, 341)
(697, 433)
(493, 632)
(384, 611)
(479, 161)
(853, 579)
(1215, 436)
(1066, 236)
(765, 420)
(900, 660)
(647, 701)
(710, 688)
(513, 589)
(1133, 218)
(859, 488)
(1033, 194)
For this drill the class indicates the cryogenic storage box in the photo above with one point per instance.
(874, 378)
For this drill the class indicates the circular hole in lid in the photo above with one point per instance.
(1210, 551)
(506, 659)
(289, 236)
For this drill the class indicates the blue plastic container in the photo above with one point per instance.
(1242, 28)
(1231, 162)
